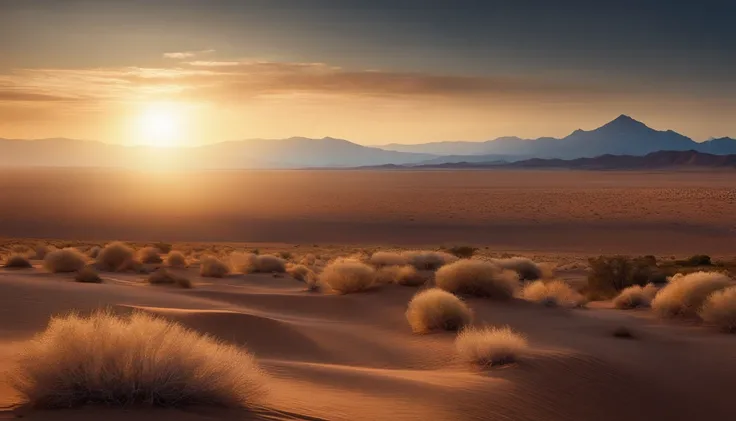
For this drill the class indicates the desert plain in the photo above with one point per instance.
(335, 353)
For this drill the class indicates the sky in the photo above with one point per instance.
(188, 72)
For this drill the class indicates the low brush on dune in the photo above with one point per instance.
(381, 259)
(64, 261)
(720, 309)
(176, 259)
(257, 263)
(88, 275)
(212, 267)
(133, 360)
(435, 309)
(348, 276)
(635, 297)
(490, 346)
(527, 269)
(115, 257)
(478, 278)
(684, 295)
(166, 277)
(429, 260)
(149, 255)
(553, 294)
(16, 261)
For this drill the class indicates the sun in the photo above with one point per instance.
(160, 125)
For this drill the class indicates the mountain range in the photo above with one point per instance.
(622, 136)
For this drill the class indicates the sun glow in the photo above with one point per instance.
(160, 125)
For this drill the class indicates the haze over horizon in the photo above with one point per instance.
(187, 72)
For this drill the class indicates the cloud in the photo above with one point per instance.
(222, 81)
(186, 54)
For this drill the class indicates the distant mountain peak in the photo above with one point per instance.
(623, 121)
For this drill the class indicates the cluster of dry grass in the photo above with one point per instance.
(635, 297)
(257, 263)
(17, 261)
(435, 309)
(348, 276)
(65, 260)
(164, 276)
(719, 309)
(684, 295)
(212, 267)
(139, 359)
(478, 278)
(553, 293)
(490, 346)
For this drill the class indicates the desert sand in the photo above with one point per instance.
(683, 212)
(354, 357)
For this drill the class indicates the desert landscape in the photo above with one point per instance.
(343, 317)
(367, 210)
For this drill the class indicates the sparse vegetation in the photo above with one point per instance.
(212, 267)
(166, 277)
(164, 248)
(527, 269)
(348, 276)
(436, 309)
(381, 259)
(462, 252)
(149, 255)
(479, 278)
(490, 346)
(696, 261)
(552, 294)
(133, 360)
(65, 260)
(685, 294)
(17, 261)
(176, 259)
(429, 260)
(300, 273)
(720, 309)
(611, 274)
(115, 257)
(88, 275)
(635, 296)
(257, 263)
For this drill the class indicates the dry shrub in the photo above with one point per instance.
(635, 296)
(176, 259)
(17, 261)
(611, 274)
(685, 294)
(212, 267)
(301, 273)
(527, 269)
(348, 276)
(720, 309)
(65, 260)
(257, 263)
(435, 309)
(490, 346)
(429, 260)
(462, 252)
(381, 259)
(166, 277)
(133, 360)
(552, 294)
(88, 275)
(115, 256)
(149, 255)
(308, 260)
(479, 278)
(94, 251)
(409, 276)
(41, 251)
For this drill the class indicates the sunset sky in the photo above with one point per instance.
(370, 71)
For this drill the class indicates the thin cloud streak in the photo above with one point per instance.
(186, 54)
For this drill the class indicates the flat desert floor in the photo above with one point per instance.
(354, 357)
(554, 211)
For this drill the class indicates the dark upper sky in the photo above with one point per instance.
(662, 47)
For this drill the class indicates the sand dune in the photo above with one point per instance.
(354, 357)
